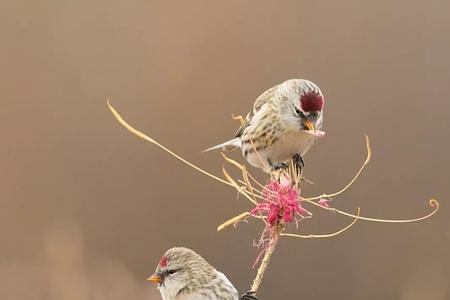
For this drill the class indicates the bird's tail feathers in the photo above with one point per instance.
(227, 146)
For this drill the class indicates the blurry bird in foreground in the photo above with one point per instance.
(285, 122)
(182, 274)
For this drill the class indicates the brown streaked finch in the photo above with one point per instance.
(285, 122)
(182, 274)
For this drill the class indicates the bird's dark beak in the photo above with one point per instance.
(156, 278)
(308, 125)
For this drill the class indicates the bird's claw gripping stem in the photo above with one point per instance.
(276, 167)
(297, 159)
(249, 296)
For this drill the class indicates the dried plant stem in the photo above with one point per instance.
(232, 183)
(369, 154)
(433, 203)
(153, 141)
(233, 221)
(314, 236)
(266, 259)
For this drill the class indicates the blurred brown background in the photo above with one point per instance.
(86, 209)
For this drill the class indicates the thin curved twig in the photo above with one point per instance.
(149, 139)
(433, 203)
(313, 236)
(369, 154)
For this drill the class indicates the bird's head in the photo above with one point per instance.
(308, 103)
(180, 270)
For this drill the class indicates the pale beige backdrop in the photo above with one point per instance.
(86, 209)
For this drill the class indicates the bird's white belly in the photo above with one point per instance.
(196, 297)
(191, 296)
(283, 149)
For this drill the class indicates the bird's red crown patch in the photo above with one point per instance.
(311, 102)
(163, 261)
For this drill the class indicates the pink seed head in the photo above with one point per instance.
(324, 203)
(280, 203)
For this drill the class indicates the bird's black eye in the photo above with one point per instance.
(298, 111)
(172, 272)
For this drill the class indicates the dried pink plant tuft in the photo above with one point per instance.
(280, 203)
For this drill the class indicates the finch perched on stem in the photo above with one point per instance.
(182, 274)
(284, 124)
